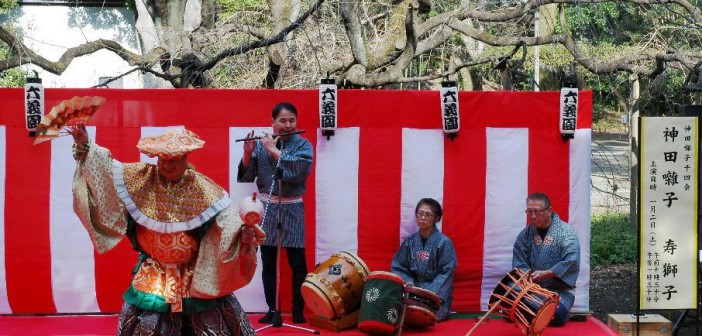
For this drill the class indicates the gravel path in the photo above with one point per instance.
(610, 173)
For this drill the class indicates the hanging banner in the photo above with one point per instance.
(449, 108)
(569, 111)
(668, 213)
(327, 106)
(33, 104)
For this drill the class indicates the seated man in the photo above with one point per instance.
(427, 258)
(549, 247)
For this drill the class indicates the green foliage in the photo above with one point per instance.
(664, 93)
(228, 7)
(614, 30)
(6, 5)
(606, 110)
(612, 240)
(593, 20)
(15, 77)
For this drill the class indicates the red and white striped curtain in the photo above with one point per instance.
(388, 152)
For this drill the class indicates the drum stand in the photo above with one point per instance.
(405, 300)
(277, 320)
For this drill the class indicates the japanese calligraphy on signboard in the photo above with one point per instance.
(668, 213)
(33, 104)
(568, 112)
(327, 106)
(449, 108)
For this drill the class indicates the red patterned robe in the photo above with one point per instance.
(188, 237)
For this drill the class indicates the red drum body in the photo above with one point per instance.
(381, 305)
(334, 288)
(524, 302)
(421, 309)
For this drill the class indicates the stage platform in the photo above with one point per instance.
(65, 325)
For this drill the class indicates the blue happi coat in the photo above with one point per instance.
(558, 251)
(428, 265)
(296, 164)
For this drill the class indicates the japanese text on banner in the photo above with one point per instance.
(668, 213)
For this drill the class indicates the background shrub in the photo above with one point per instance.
(612, 240)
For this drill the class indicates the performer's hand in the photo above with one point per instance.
(249, 145)
(252, 235)
(248, 235)
(538, 276)
(80, 134)
(269, 145)
(260, 234)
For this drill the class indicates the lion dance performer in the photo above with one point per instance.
(194, 250)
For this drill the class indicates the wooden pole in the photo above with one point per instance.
(483, 318)
(405, 297)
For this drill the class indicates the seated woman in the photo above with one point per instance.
(427, 258)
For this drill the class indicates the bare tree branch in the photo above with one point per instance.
(25, 55)
(277, 38)
(400, 63)
(630, 63)
(466, 29)
(524, 8)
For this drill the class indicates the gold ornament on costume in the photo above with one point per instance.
(171, 248)
(167, 201)
(172, 143)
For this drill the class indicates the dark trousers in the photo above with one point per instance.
(298, 264)
(560, 317)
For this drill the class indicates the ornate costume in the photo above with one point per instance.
(191, 257)
(429, 265)
(558, 250)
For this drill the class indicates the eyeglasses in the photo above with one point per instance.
(421, 214)
(534, 211)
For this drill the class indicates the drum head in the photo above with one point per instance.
(419, 317)
(424, 297)
(317, 300)
(334, 288)
(386, 276)
(543, 317)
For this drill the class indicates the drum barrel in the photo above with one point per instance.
(381, 303)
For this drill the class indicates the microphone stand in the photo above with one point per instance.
(277, 320)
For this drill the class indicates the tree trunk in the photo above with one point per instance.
(168, 25)
(548, 19)
(283, 12)
(354, 30)
(473, 50)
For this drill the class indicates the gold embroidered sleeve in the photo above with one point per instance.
(224, 262)
(95, 199)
